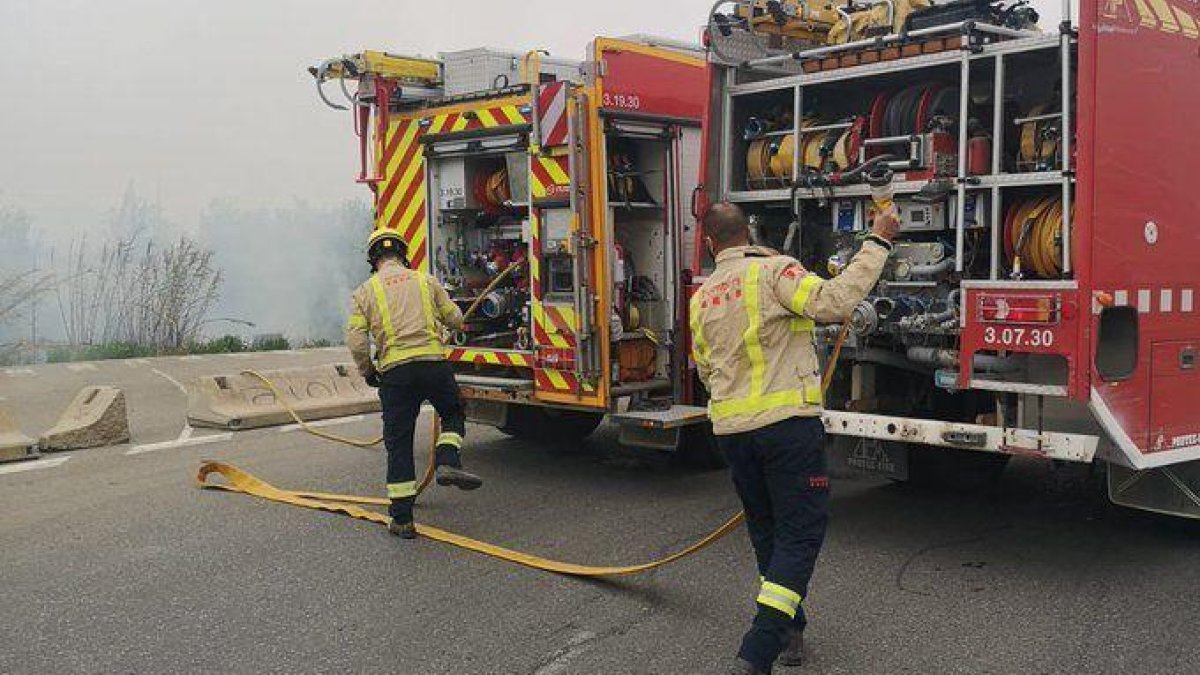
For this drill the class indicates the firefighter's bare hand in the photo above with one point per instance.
(886, 224)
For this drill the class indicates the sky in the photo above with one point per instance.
(195, 100)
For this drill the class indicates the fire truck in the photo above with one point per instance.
(550, 197)
(1041, 298)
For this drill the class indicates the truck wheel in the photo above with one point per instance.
(955, 470)
(543, 425)
(698, 448)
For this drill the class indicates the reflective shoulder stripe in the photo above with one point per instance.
(385, 313)
(402, 490)
(699, 343)
(800, 299)
(358, 322)
(754, 350)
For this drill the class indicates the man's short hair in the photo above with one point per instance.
(725, 223)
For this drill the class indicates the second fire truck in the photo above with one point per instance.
(551, 196)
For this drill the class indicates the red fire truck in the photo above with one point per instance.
(1041, 300)
(551, 195)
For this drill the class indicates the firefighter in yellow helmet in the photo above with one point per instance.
(752, 343)
(403, 311)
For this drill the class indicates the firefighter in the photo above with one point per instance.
(403, 312)
(752, 323)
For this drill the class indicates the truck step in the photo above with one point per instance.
(675, 416)
(504, 383)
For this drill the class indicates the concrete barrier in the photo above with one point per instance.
(240, 401)
(14, 445)
(94, 419)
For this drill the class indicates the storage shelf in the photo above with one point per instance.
(1030, 179)
(1014, 46)
(1006, 180)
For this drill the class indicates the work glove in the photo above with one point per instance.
(372, 379)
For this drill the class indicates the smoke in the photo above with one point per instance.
(287, 270)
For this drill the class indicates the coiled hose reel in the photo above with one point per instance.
(1033, 236)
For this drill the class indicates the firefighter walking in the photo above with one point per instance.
(403, 311)
(752, 323)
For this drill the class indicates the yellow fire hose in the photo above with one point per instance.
(242, 482)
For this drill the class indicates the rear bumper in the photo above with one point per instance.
(1067, 447)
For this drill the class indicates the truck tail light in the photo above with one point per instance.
(1035, 309)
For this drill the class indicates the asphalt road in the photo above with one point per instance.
(113, 561)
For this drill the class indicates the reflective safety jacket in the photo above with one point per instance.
(752, 323)
(402, 311)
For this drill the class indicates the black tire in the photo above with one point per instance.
(954, 470)
(544, 425)
(698, 448)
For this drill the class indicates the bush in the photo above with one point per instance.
(103, 352)
(226, 344)
(271, 343)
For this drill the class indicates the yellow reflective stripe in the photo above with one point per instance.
(749, 405)
(754, 351)
(402, 490)
(394, 356)
(450, 438)
(802, 324)
(700, 350)
(778, 597)
(774, 603)
(358, 322)
(782, 591)
(800, 299)
(385, 315)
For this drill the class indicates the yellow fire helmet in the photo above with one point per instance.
(389, 241)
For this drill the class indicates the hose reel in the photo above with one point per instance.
(834, 148)
(1040, 140)
(1033, 236)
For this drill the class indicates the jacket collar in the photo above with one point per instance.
(737, 252)
(390, 266)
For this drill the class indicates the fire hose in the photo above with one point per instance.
(1033, 236)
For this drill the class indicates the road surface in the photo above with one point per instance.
(113, 561)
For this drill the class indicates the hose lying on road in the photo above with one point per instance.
(240, 481)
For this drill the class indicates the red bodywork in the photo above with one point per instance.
(1135, 240)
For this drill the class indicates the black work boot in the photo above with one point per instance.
(744, 667)
(459, 478)
(404, 530)
(793, 653)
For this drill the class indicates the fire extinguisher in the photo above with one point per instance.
(979, 155)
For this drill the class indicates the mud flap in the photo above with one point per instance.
(1173, 490)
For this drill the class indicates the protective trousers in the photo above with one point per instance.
(402, 390)
(780, 474)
